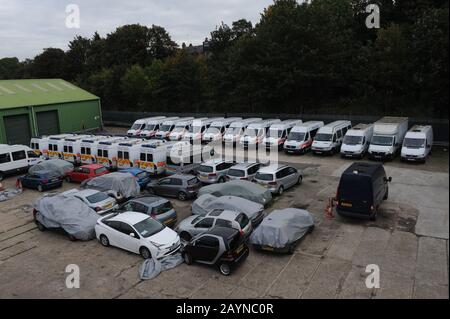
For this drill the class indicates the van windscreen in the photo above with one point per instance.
(414, 143)
(321, 137)
(353, 140)
(296, 136)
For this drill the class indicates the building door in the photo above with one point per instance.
(47, 122)
(17, 129)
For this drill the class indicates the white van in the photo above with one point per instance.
(88, 149)
(217, 129)
(198, 129)
(152, 127)
(357, 141)
(236, 129)
(56, 146)
(255, 132)
(329, 137)
(168, 126)
(127, 153)
(301, 137)
(388, 135)
(16, 159)
(279, 132)
(107, 150)
(182, 128)
(139, 125)
(38, 145)
(417, 143)
(71, 148)
(151, 158)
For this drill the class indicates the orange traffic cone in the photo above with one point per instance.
(18, 184)
(329, 209)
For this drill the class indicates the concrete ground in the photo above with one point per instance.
(409, 243)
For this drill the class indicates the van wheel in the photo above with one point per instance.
(280, 191)
(185, 236)
(187, 259)
(182, 196)
(291, 249)
(225, 269)
(386, 196)
(145, 253)
(40, 188)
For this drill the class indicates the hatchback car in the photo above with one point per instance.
(85, 172)
(181, 186)
(220, 247)
(142, 177)
(214, 171)
(137, 233)
(278, 178)
(194, 225)
(41, 180)
(98, 201)
(157, 207)
(243, 171)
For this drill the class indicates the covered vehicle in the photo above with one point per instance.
(119, 185)
(142, 176)
(239, 188)
(58, 166)
(68, 213)
(207, 203)
(282, 229)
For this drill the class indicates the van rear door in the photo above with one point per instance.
(355, 194)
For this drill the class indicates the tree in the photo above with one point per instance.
(49, 64)
(135, 86)
(160, 43)
(10, 68)
(77, 57)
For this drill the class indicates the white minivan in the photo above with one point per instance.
(329, 138)
(301, 137)
(152, 126)
(182, 128)
(217, 129)
(357, 141)
(417, 143)
(140, 124)
(16, 159)
(168, 126)
(279, 132)
(199, 128)
(256, 132)
(236, 129)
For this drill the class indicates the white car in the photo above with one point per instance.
(138, 233)
(100, 202)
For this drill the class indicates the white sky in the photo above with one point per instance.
(28, 26)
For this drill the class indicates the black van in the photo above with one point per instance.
(362, 189)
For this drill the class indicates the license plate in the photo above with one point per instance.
(290, 151)
(239, 249)
(108, 206)
(347, 205)
(268, 248)
(54, 180)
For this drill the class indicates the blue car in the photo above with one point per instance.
(143, 177)
(41, 180)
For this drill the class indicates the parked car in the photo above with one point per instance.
(85, 172)
(207, 203)
(181, 186)
(100, 202)
(41, 180)
(157, 207)
(214, 171)
(243, 171)
(194, 225)
(142, 177)
(244, 189)
(137, 233)
(220, 247)
(282, 230)
(121, 186)
(278, 178)
(362, 189)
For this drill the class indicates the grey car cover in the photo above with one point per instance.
(282, 227)
(244, 189)
(206, 203)
(57, 166)
(151, 268)
(68, 213)
(123, 183)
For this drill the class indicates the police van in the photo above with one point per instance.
(301, 137)
(279, 132)
(237, 128)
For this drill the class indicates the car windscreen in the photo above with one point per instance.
(178, 129)
(235, 241)
(148, 227)
(353, 140)
(355, 188)
(322, 137)
(196, 219)
(264, 176)
(296, 136)
(382, 140)
(236, 172)
(205, 169)
(163, 208)
(97, 197)
(242, 220)
(100, 170)
(414, 143)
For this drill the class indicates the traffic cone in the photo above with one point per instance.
(329, 209)
(18, 184)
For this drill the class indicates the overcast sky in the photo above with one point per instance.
(28, 26)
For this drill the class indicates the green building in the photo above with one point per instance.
(45, 106)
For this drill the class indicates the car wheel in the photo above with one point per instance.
(221, 180)
(145, 253)
(300, 180)
(280, 191)
(182, 196)
(185, 236)
(151, 190)
(187, 259)
(40, 226)
(225, 269)
(68, 179)
(291, 249)
(310, 229)
(104, 240)
(40, 188)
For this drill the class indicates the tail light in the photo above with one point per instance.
(372, 208)
(272, 183)
(97, 209)
(212, 175)
(244, 178)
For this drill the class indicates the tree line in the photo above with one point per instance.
(312, 57)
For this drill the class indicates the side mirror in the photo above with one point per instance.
(388, 180)
(132, 235)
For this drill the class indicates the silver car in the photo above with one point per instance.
(278, 178)
(194, 225)
(98, 201)
(214, 171)
(157, 207)
(243, 171)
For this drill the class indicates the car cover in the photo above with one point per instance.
(123, 183)
(68, 213)
(206, 203)
(282, 227)
(239, 188)
(151, 268)
(60, 167)
(9, 193)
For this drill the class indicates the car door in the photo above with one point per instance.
(291, 176)
(112, 231)
(202, 225)
(206, 249)
(175, 186)
(26, 181)
(162, 187)
(130, 242)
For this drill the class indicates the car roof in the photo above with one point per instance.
(131, 170)
(362, 169)
(44, 172)
(182, 176)
(213, 162)
(131, 218)
(223, 232)
(92, 166)
(225, 214)
(243, 165)
(272, 168)
(149, 199)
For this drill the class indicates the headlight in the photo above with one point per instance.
(156, 244)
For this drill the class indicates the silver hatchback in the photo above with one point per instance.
(243, 171)
(214, 171)
(278, 178)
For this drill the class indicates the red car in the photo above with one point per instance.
(82, 173)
